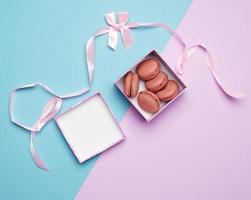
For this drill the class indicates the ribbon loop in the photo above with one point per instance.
(49, 111)
(110, 18)
(123, 17)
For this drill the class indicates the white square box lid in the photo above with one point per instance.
(89, 127)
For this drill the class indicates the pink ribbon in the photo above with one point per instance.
(187, 52)
(122, 25)
(115, 25)
(50, 110)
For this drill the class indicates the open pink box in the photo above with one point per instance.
(89, 127)
(163, 67)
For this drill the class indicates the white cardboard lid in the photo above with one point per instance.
(89, 127)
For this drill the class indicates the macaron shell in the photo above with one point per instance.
(127, 83)
(148, 101)
(157, 83)
(169, 92)
(134, 85)
(148, 69)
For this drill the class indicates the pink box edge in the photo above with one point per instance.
(166, 65)
(76, 105)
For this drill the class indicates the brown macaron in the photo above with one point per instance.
(148, 101)
(157, 83)
(169, 92)
(148, 69)
(131, 84)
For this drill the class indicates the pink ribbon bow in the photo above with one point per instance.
(121, 26)
(114, 26)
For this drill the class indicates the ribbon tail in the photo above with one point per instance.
(228, 92)
(36, 158)
(188, 52)
(126, 37)
(211, 67)
(90, 58)
(182, 58)
(50, 110)
(112, 38)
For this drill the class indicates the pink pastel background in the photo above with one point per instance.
(200, 147)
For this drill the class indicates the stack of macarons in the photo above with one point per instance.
(158, 87)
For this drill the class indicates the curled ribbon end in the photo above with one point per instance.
(112, 48)
(179, 70)
(239, 95)
(44, 168)
(127, 46)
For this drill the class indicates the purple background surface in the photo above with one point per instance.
(200, 146)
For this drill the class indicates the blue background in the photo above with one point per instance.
(45, 41)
